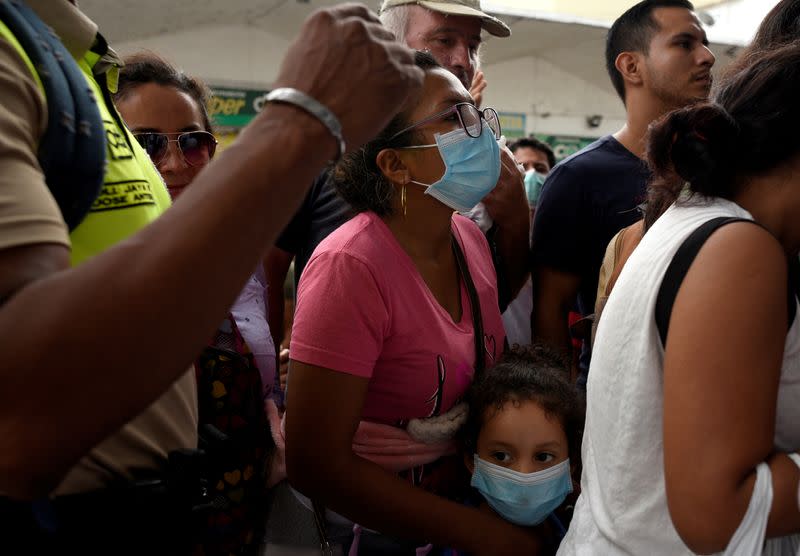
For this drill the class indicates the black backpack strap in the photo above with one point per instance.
(678, 268)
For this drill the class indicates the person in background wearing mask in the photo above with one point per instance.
(658, 59)
(533, 154)
(415, 286)
(93, 397)
(538, 159)
(451, 31)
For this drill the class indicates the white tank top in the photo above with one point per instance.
(623, 506)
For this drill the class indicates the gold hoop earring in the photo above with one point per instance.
(403, 201)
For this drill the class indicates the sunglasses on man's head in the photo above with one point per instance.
(197, 147)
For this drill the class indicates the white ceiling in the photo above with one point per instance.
(605, 10)
(575, 48)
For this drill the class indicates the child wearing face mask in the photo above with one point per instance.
(524, 422)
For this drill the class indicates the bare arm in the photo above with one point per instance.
(325, 411)
(83, 333)
(276, 267)
(554, 294)
(721, 371)
(508, 207)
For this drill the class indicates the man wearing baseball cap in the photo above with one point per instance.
(449, 29)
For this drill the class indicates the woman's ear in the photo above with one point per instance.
(392, 166)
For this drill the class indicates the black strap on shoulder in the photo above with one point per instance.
(475, 306)
(72, 150)
(683, 259)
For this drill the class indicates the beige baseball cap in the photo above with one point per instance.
(492, 25)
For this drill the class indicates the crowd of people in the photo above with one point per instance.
(489, 353)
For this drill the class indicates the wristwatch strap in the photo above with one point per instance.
(302, 100)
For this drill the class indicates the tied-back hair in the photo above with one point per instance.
(357, 177)
(147, 67)
(526, 373)
(750, 128)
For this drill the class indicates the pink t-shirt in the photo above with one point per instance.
(364, 309)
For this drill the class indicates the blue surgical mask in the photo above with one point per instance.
(472, 168)
(522, 498)
(533, 186)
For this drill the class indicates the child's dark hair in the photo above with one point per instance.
(526, 373)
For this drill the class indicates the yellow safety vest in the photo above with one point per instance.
(133, 193)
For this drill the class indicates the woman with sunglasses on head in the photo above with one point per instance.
(397, 310)
(166, 111)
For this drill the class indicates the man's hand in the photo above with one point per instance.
(508, 206)
(345, 59)
(507, 203)
(477, 87)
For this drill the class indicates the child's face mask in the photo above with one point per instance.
(522, 498)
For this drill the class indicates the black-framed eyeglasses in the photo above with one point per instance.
(469, 116)
(197, 147)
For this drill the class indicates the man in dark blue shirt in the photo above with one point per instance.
(658, 59)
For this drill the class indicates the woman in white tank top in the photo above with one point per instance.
(674, 434)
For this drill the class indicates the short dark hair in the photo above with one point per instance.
(534, 143)
(526, 373)
(357, 177)
(147, 67)
(748, 129)
(632, 32)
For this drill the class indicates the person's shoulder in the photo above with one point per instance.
(606, 152)
(573, 169)
(19, 93)
(362, 237)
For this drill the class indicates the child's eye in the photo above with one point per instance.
(502, 457)
(544, 457)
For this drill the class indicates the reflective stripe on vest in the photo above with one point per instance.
(133, 193)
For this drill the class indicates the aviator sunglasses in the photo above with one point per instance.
(197, 147)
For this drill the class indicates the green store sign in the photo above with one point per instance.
(565, 145)
(229, 107)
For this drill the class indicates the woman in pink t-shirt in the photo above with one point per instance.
(383, 339)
